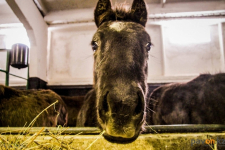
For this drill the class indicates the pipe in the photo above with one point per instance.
(12, 74)
(7, 68)
(153, 129)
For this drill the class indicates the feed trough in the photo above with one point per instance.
(165, 137)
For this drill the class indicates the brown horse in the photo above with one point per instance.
(121, 46)
(199, 101)
(18, 107)
(74, 104)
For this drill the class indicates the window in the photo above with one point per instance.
(14, 33)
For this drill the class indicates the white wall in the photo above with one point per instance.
(71, 61)
(6, 14)
(155, 62)
(68, 59)
(5, 36)
(38, 37)
(2, 64)
(70, 55)
(7, 17)
(193, 58)
(37, 31)
(222, 40)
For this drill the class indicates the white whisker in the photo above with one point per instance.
(150, 110)
(153, 100)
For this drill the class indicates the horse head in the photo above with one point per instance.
(121, 47)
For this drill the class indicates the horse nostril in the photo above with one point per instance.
(140, 104)
(105, 103)
(104, 107)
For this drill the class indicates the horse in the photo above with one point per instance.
(18, 107)
(199, 101)
(121, 47)
(73, 104)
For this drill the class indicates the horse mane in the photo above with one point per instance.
(121, 13)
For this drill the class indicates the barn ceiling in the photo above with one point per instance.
(72, 11)
(76, 11)
(6, 14)
(59, 5)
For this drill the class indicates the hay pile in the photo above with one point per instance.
(30, 140)
(46, 138)
(38, 140)
(65, 138)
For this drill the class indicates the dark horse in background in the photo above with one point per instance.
(121, 45)
(199, 101)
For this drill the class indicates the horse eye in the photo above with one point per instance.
(94, 45)
(148, 46)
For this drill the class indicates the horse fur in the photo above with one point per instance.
(20, 107)
(199, 101)
(74, 104)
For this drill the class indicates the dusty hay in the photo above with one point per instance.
(35, 141)
(26, 140)
(44, 138)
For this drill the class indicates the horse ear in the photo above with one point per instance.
(139, 12)
(102, 11)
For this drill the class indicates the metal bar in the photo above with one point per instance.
(3, 49)
(220, 14)
(2, 70)
(28, 75)
(184, 128)
(7, 68)
(17, 76)
(64, 130)
(153, 129)
(13, 74)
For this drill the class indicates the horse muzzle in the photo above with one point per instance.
(121, 116)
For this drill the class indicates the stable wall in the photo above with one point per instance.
(7, 17)
(191, 59)
(70, 55)
(37, 31)
(67, 58)
(71, 61)
(13, 81)
(70, 58)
